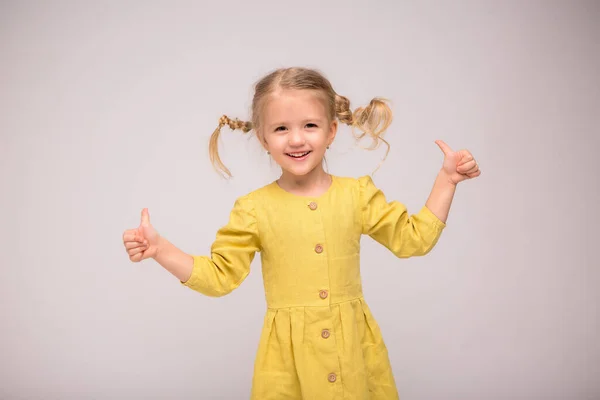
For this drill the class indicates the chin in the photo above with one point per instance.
(298, 170)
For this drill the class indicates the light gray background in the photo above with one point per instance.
(107, 107)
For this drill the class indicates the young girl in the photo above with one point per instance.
(320, 340)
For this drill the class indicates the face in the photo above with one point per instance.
(296, 131)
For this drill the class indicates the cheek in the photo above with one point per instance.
(320, 140)
(274, 141)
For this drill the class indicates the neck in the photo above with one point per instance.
(315, 180)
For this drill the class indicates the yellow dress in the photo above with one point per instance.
(319, 340)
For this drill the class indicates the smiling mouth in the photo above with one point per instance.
(299, 155)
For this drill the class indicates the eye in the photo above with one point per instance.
(280, 128)
(311, 125)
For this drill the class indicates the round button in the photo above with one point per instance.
(318, 249)
(312, 205)
(331, 377)
(323, 294)
(325, 333)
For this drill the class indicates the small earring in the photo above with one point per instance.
(268, 152)
(328, 147)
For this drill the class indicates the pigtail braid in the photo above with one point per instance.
(213, 146)
(372, 120)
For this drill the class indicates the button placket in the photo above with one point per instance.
(319, 247)
(328, 343)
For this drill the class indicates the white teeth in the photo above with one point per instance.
(298, 155)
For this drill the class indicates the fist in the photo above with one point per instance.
(141, 242)
(458, 165)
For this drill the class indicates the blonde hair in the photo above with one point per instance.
(372, 120)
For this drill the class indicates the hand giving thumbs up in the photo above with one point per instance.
(142, 242)
(458, 165)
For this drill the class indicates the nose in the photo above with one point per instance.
(296, 138)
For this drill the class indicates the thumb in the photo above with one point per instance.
(145, 217)
(444, 147)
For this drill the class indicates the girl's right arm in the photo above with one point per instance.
(214, 275)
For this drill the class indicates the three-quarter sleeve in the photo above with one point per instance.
(231, 254)
(390, 224)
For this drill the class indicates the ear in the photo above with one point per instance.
(333, 127)
(263, 141)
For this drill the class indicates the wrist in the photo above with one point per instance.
(162, 243)
(446, 179)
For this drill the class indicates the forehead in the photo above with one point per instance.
(287, 105)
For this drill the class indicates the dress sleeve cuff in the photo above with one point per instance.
(427, 215)
(191, 282)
